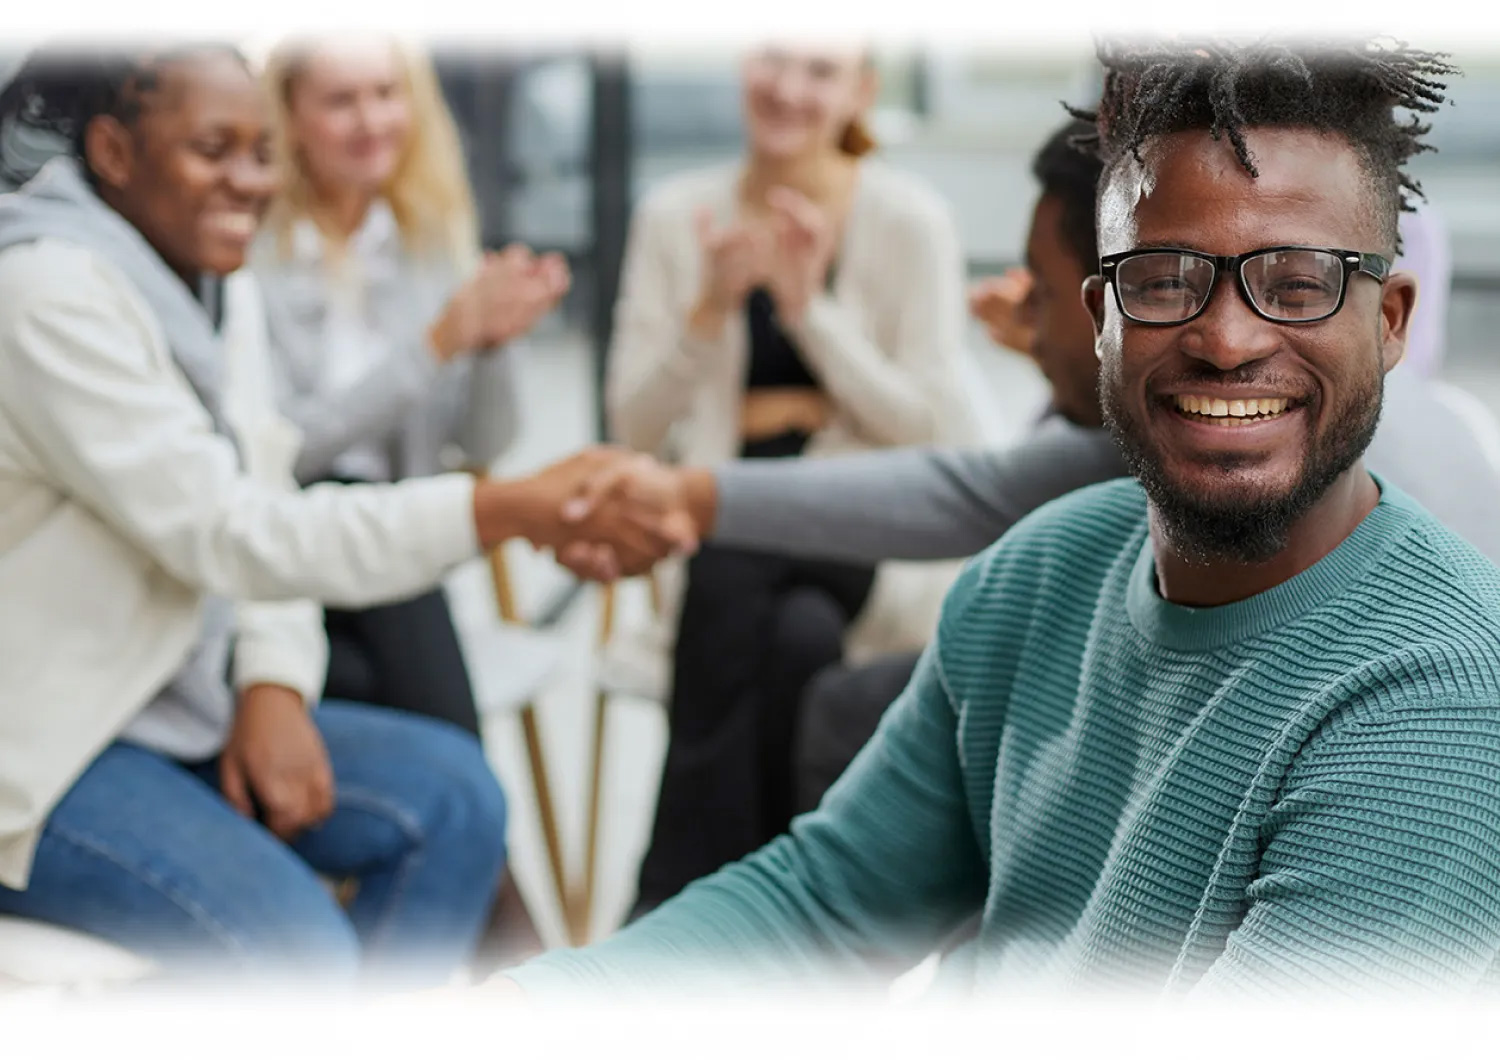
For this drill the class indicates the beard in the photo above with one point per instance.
(1251, 529)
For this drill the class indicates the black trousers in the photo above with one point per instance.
(840, 712)
(754, 629)
(403, 655)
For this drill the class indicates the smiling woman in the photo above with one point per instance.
(803, 300)
(193, 176)
(166, 785)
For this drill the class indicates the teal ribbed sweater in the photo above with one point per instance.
(1300, 791)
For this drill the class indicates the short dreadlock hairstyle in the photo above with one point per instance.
(61, 89)
(1350, 89)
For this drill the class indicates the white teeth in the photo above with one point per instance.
(1230, 411)
(242, 224)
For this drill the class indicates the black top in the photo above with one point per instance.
(774, 362)
(774, 359)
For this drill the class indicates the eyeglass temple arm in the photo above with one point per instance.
(1374, 264)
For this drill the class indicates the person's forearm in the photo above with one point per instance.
(918, 504)
(487, 419)
(331, 421)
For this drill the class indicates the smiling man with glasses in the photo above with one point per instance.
(1231, 727)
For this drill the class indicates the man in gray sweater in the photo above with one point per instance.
(918, 504)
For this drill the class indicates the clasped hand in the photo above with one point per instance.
(610, 513)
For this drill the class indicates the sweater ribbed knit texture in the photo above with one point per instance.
(1296, 793)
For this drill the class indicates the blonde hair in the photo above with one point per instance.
(428, 193)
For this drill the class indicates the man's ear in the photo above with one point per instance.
(1093, 300)
(1398, 298)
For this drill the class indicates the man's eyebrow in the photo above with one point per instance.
(1169, 244)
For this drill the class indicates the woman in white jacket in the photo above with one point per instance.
(801, 301)
(164, 781)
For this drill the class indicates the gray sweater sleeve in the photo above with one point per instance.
(372, 406)
(913, 504)
(469, 402)
(481, 413)
(909, 503)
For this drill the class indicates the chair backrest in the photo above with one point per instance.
(1479, 420)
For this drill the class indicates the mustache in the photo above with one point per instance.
(1253, 375)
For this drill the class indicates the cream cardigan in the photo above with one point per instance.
(887, 345)
(120, 509)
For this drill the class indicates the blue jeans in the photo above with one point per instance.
(144, 851)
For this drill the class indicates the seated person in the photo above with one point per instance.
(1230, 725)
(168, 784)
(369, 268)
(802, 301)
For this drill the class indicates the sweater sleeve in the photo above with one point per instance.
(487, 413)
(334, 418)
(1379, 862)
(905, 504)
(875, 877)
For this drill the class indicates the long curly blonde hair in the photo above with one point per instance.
(428, 193)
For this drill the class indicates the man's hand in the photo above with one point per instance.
(537, 508)
(275, 760)
(631, 500)
(1003, 305)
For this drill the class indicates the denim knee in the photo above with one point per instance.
(325, 947)
(475, 802)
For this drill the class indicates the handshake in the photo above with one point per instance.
(605, 512)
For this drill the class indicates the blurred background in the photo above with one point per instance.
(560, 145)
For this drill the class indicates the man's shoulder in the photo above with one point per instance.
(1435, 571)
(1423, 623)
(1094, 515)
(1078, 536)
(1442, 446)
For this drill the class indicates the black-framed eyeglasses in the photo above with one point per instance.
(1287, 285)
